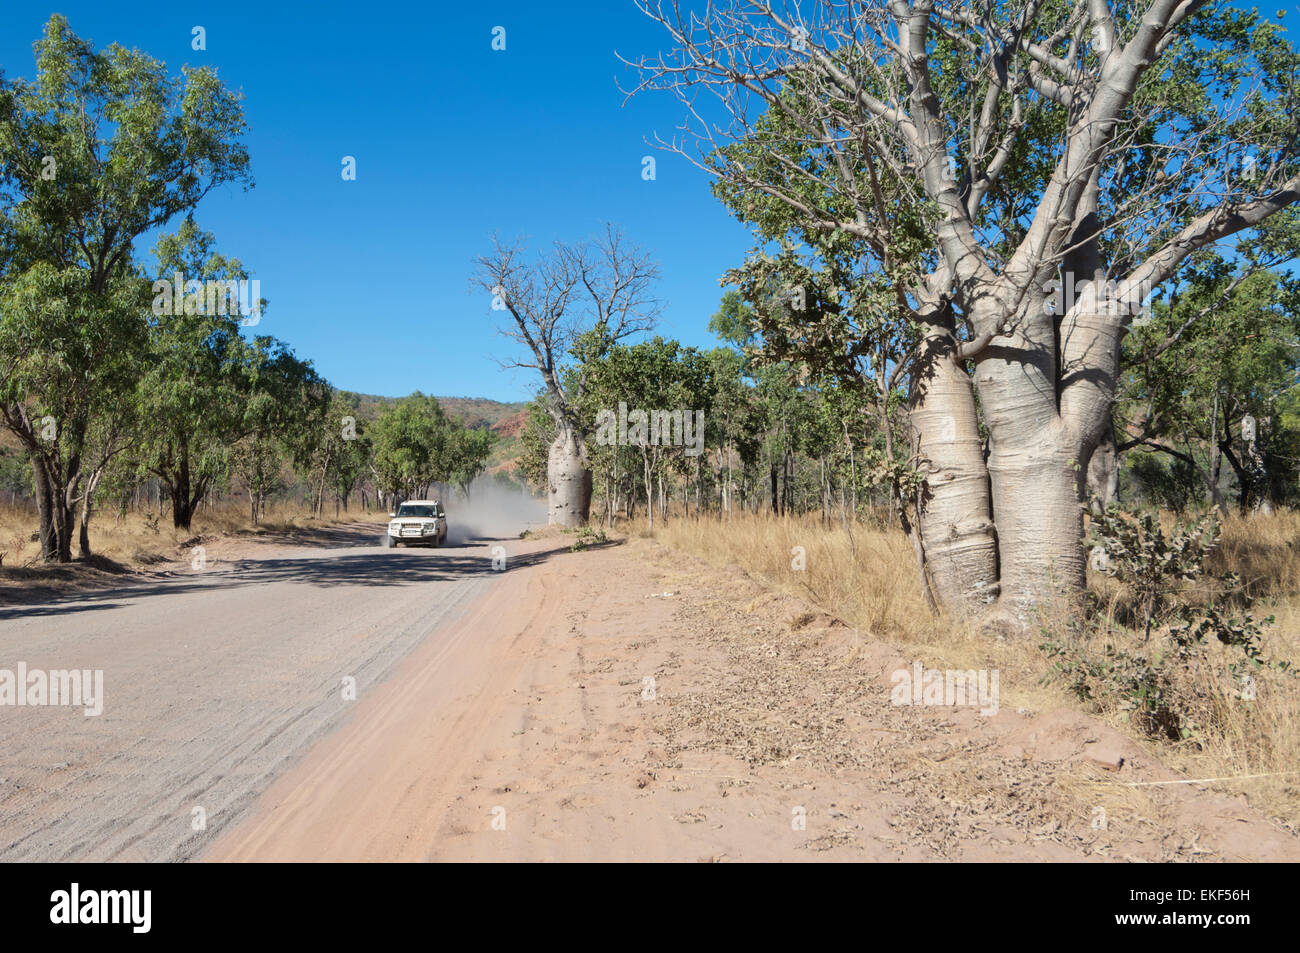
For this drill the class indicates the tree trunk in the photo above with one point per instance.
(84, 529)
(182, 508)
(727, 493)
(182, 505)
(1039, 520)
(1045, 419)
(65, 518)
(568, 481)
(1103, 471)
(954, 515)
(649, 489)
(87, 506)
(1216, 460)
(45, 511)
(55, 484)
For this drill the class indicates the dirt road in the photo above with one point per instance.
(620, 703)
(629, 703)
(214, 681)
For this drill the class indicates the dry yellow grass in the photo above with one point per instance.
(1262, 737)
(871, 583)
(873, 586)
(141, 538)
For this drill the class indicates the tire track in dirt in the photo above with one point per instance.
(767, 733)
(214, 683)
(375, 790)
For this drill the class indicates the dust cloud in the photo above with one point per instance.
(493, 511)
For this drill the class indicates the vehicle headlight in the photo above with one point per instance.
(430, 528)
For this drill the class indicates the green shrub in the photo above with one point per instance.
(1154, 654)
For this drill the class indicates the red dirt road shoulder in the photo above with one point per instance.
(631, 703)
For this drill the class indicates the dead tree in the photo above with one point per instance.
(591, 293)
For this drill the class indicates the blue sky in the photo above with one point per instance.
(453, 141)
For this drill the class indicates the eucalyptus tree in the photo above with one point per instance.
(414, 444)
(112, 436)
(99, 149)
(66, 370)
(774, 395)
(284, 409)
(601, 289)
(654, 394)
(195, 387)
(469, 451)
(732, 422)
(1217, 395)
(1021, 175)
(344, 450)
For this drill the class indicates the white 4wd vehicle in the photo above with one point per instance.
(417, 523)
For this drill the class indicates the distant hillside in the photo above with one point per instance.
(505, 455)
(507, 419)
(481, 412)
(511, 426)
(472, 411)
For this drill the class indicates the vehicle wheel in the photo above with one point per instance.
(388, 542)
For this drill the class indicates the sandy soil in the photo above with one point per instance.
(528, 729)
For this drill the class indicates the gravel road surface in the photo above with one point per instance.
(214, 682)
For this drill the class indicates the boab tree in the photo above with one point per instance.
(595, 292)
(1022, 175)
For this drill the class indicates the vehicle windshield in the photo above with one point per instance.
(409, 510)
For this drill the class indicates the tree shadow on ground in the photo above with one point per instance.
(467, 558)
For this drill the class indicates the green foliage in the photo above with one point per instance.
(652, 376)
(344, 452)
(1237, 354)
(469, 450)
(1148, 666)
(196, 380)
(132, 147)
(1160, 480)
(101, 148)
(15, 472)
(535, 441)
(1134, 549)
(410, 446)
(283, 415)
(416, 445)
(587, 536)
